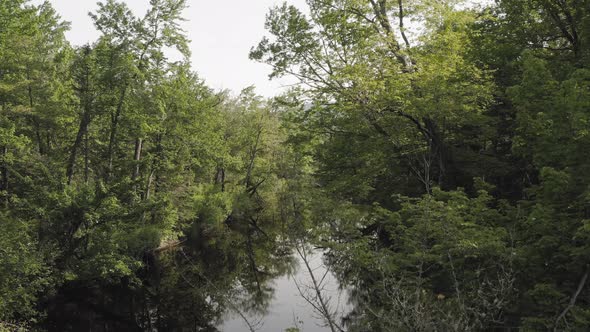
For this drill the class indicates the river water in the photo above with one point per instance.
(288, 308)
(229, 283)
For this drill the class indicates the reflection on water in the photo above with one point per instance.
(214, 280)
(288, 308)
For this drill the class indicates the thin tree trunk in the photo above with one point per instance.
(137, 158)
(220, 177)
(441, 155)
(35, 122)
(574, 298)
(155, 174)
(157, 180)
(148, 187)
(322, 305)
(253, 153)
(113, 136)
(86, 158)
(48, 141)
(159, 159)
(82, 129)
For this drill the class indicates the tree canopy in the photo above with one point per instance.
(438, 152)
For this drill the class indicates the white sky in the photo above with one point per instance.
(222, 33)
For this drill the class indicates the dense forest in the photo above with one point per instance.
(438, 153)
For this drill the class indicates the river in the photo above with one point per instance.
(288, 308)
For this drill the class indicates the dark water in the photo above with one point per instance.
(225, 281)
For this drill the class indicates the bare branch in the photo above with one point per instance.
(573, 298)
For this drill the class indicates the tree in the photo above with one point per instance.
(476, 99)
(401, 93)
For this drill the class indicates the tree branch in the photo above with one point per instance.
(573, 298)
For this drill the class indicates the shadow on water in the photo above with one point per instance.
(216, 279)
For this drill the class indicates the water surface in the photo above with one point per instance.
(288, 308)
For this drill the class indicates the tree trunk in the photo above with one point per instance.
(158, 160)
(82, 129)
(35, 122)
(253, 153)
(86, 158)
(137, 158)
(319, 302)
(441, 155)
(148, 186)
(113, 135)
(220, 177)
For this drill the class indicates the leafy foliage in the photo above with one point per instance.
(449, 155)
(437, 151)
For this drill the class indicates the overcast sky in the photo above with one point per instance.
(222, 33)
